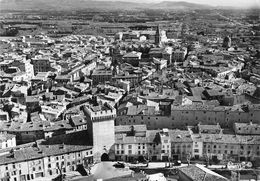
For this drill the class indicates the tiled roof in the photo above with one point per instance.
(28, 126)
(180, 136)
(124, 139)
(200, 173)
(226, 138)
(141, 109)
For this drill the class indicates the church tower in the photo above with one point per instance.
(157, 36)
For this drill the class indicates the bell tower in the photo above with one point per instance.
(157, 36)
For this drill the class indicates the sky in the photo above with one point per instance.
(235, 3)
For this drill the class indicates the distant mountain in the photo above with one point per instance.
(180, 5)
(53, 5)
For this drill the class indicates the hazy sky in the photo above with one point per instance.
(237, 3)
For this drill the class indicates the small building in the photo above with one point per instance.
(7, 141)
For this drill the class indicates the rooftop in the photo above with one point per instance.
(200, 173)
(38, 151)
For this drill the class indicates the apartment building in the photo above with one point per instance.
(38, 160)
(226, 147)
(131, 142)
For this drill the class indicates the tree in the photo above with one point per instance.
(188, 158)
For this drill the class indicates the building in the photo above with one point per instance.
(212, 129)
(130, 143)
(24, 66)
(101, 76)
(37, 160)
(41, 65)
(160, 63)
(4, 116)
(192, 115)
(181, 144)
(132, 58)
(100, 126)
(223, 147)
(157, 36)
(247, 128)
(226, 42)
(178, 55)
(25, 132)
(165, 141)
(134, 79)
(7, 141)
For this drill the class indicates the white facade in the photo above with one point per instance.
(8, 143)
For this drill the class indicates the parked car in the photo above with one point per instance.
(119, 165)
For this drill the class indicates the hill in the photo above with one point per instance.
(54, 5)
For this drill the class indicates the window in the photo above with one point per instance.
(49, 165)
(196, 150)
(122, 152)
(129, 146)
(129, 151)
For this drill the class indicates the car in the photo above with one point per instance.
(177, 163)
(119, 165)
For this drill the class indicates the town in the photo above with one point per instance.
(130, 95)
